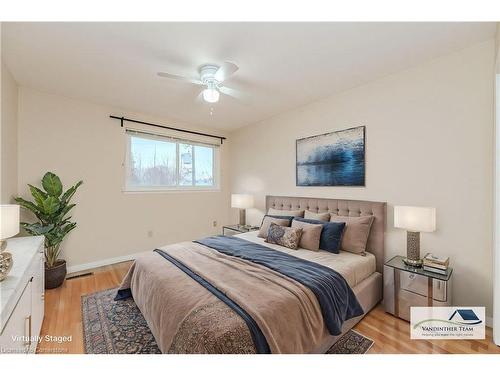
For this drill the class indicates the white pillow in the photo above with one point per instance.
(323, 216)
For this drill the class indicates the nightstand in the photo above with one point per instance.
(231, 230)
(406, 286)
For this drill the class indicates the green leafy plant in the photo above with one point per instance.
(51, 207)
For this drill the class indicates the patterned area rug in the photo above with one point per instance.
(351, 343)
(118, 327)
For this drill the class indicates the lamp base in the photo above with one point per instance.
(413, 249)
(243, 217)
(413, 263)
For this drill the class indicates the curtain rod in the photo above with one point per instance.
(167, 127)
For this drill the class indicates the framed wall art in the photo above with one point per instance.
(332, 159)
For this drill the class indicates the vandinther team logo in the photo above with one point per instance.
(461, 323)
(468, 317)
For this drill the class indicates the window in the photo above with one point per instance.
(156, 162)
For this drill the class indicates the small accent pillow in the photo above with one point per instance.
(311, 234)
(331, 235)
(323, 216)
(267, 220)
(284, 236)
(273, 211)
(356, 232)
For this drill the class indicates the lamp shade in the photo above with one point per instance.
(415, 219)
(9, 220)
(241, 200)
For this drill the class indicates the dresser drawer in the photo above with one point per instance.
(15, 335)
(414, 283)
(408, 299)
(419, 284)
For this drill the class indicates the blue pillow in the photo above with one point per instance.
(331, 235)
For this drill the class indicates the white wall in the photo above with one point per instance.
(77, 140)
(8, 136)
(429, 134)
(496, 255)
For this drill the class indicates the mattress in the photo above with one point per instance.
(353, 267)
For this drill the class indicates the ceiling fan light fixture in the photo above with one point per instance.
(211, 95)
(212, 77)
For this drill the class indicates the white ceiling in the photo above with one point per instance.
(282, 65)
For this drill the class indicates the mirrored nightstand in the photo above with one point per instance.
(406, 286)
(231, 230)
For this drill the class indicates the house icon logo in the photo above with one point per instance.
(465, 316)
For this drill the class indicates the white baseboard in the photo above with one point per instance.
(104, 262)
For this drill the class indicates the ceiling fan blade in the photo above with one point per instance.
(233, 93)
(180, 78)
(226, 70)
(199, 98)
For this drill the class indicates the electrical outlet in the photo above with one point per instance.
(150, 233)
(214, 223)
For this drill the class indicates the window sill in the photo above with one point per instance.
(170, 191)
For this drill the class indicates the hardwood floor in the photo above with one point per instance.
(391, 335)
(63, 315)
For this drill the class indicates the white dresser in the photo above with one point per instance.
(22, 296)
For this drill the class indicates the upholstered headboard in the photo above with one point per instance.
(342, 207)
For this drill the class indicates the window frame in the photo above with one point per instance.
(216, 170)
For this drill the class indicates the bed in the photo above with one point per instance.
(209, 297)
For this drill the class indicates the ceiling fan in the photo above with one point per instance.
(212, 77)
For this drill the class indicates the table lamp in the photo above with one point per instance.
(242, 201)
(414, 220)
(9, 227)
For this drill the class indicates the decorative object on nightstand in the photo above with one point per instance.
(406, 286)
(414, 220)
(242, 201)
(436, 264)
(230, 230)
(9, 227)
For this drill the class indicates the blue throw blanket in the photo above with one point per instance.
(336, 299)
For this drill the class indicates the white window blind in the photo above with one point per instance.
(156, 162)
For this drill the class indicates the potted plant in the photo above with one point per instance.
(51, 207)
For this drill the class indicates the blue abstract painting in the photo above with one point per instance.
(332, 159)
